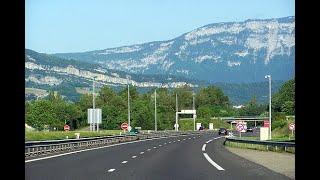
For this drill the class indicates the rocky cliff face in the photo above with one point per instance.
(220, 52)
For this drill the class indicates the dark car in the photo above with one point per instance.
(249, 129)
(223, 131)
(201, 128)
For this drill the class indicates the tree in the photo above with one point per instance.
(41, 113)
(284, 99)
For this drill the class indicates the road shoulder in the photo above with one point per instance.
(283, 163)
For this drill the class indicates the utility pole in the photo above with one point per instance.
(155, 110)
(269, 77)
(194, 118)
(93, 105)
(176, 125)
(128, 106)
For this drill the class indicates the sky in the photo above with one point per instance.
(61, 26)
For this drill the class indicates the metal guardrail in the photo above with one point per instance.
(36, 148)
(266, 143)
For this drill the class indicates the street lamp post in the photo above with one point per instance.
(93, 104)
(155, 110)
(269, 77)
(128, 107)
(194, 118)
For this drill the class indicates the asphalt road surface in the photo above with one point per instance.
(185, 157)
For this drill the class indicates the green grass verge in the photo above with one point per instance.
(260, 147)
(58, 135)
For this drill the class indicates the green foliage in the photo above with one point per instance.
(210, 102)
(252, 108)
(284, 99)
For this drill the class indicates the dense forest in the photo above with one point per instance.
(54, 112)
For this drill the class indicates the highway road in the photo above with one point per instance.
(185, 157)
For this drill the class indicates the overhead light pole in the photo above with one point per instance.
(155, 110)
(194, 118)
(92, 126)
(128, 106)
(269, 77)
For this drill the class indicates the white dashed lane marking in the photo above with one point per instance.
(141, 152)
(123, 162)
(111, 170)
(134, 157)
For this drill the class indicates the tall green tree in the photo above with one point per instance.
(284, 99)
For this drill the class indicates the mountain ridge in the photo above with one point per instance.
(228, 51)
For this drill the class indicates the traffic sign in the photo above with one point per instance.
(240, 127)
(292, 126)
(124, 126)
(66, 127)
(266, 124)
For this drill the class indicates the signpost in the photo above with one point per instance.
(292, 127)
(124, 126)
(66, 127)
(240, 127)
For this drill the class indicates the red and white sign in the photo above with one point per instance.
(124, 126)
(266, 124)
(66, 127)
(292, 126)
(240, 127)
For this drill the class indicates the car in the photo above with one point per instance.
(223, 131)
(249, 129)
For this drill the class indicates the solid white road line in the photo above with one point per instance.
(204, 147)
(212, 162)
(218, 137)
(111, 170)
(209, 141)
(134, 157)
(123, 162)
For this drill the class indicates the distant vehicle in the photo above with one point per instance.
(249, 129)
(137, 130)
(223, 131)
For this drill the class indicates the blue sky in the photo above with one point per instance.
(53, 26)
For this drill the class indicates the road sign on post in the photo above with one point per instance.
(292, 127)
(124, 126)
(240, 127)
(66, 127)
